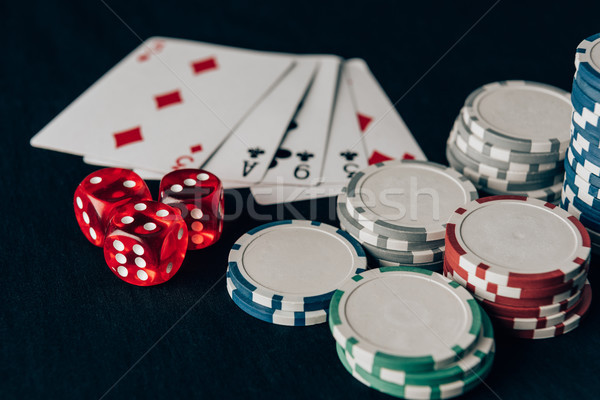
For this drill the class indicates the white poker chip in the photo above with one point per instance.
(408, 200)
(404, 319)
(517, 241)
(294, 265)
(520, 115)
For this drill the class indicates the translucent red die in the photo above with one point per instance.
(198, 194)
(145, 242)
(100, 193)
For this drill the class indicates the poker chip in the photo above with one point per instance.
(517, 242)
(586, 57)
(523, 116)
(426, 322)
(293, 265)
(288, 318)
(563, 327)
(510, 139)
(524, 259)
(382, 198)
(446, 382)
(486, 171)
(365, 235)
(431, 266)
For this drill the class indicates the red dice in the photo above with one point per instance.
(145, 242)
(100, 193)
(198, 195)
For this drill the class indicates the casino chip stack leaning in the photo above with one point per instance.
(398, 211)
(285, 272)
(511, 137)
(411, 333)
(525, 259)
(581, 196)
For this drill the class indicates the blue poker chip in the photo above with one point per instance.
(580, 182)
(586, 56)
(294, 265)
(588, 136)
(278, 317)
(581, 101)
(579, 169)
(591, 211)
(582, 155)
(568, 203)
(587, 86)
(585, 118)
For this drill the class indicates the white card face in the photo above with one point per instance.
(168, 105)
(300, 157)
(247, 153)
(344, 156)
(276, 194)
(345, 149)
(384, 133)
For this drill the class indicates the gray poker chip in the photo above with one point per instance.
(407, 199)
(436, 266)
(490, 151)
(523, 116)
(498, 173)
(499, 184)
(506, 165)
(364, 235)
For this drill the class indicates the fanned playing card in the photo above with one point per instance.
(247, 153)
(300, 157)
(169, 104)
(344, 156)
(384, 133)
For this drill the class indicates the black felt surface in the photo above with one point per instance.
(69, 329)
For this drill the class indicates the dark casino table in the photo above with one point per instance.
(70, 329)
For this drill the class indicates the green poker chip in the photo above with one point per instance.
(404, 319)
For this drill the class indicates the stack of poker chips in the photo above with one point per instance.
(581, 196)
(510, 138)
(411, 333)
(285, 272)
(526, 260)
(398, 210)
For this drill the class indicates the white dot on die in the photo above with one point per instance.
(162, 213)
(142, 275)
(140, 206)
(79, 202)
(202, 176)
(150, 226)
(121, 259)
(140, 262)
(176, 188)
(180, 234)
(122, 271)
(137, 249)
(86, 217)
(127, 220)
(196, 213)
(169, 267)
(96, 180)
(118, 245)
(93, 233)
(189, 182)
(129, 184)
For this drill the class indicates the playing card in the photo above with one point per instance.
(247, 153)
(299, 159)
(169, 104)
(384, 133)
(344, 156)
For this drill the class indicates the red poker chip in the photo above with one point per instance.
(520, 233)
(561, 328)
(520, 293)
(518, 323)
(480, 294)
(531, 312)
